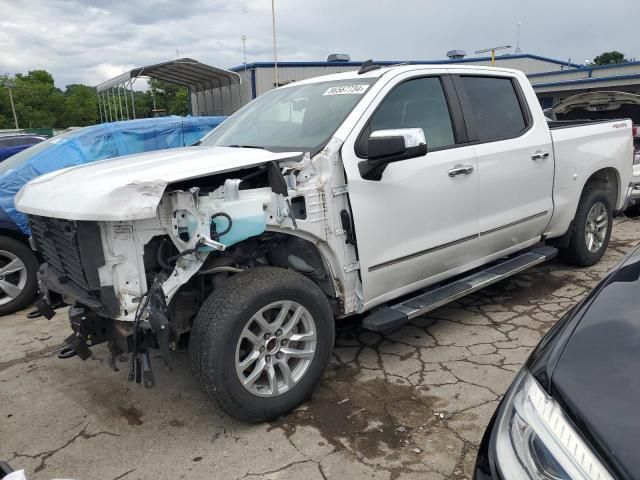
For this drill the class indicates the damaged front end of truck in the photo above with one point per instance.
(137, 283)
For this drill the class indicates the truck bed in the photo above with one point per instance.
(580, 148)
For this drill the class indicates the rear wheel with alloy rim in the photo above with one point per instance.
(260, 343)
(18, 269)
(596, 227)
(591, 228)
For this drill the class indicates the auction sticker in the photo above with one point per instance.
(347, 90)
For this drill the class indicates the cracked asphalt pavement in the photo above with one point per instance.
(409, 405)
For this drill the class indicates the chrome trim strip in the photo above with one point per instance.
(422, 252)
(513, 224)
(373, 268)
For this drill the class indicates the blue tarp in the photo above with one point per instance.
(98, 142)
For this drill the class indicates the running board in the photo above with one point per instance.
(393, 316)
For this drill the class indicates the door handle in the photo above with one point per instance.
(460, 170)
(540, 155)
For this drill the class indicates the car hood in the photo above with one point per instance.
(130, 187)
(596, 378)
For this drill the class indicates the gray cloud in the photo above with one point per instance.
(87, 41)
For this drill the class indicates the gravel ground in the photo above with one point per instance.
(409, 405)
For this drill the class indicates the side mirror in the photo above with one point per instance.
(387, 146)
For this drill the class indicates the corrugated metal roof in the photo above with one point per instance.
(183, 71)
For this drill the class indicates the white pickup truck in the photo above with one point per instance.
(385, 192)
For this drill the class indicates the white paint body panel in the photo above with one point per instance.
(130, 187)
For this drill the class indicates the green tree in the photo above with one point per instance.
(37, 99)
(79, 107)
(608, 58)
(169, 96)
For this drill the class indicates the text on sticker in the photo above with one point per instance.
(346, 90)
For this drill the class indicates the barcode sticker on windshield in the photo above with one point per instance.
(347, 90)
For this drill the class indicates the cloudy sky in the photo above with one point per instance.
(88, 41)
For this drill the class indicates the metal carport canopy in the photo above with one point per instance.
(183, 71)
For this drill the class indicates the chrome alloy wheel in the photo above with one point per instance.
(276, 348)
(596, 227)
(13, 277)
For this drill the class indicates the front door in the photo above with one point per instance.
(420, 219)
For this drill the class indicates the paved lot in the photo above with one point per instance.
(411, 405)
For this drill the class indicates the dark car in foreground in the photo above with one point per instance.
(572, 411)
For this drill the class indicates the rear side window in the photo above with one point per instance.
(495, 106)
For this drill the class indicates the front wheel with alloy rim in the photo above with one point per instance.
(591, 228)
(18, 269)
(260, 343)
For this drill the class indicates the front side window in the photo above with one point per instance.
(495, 107)
(417, 103)
(298, 117)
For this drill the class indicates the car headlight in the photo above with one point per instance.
(535, 439)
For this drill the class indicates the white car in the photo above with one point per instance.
(387, 191)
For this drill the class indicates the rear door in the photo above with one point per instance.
(515, 160)
(420, 219)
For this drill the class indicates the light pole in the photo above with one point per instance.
(10, 84)
(244, 50)
(275, 51)
(518, 42)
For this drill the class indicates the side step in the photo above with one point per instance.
(393, 316)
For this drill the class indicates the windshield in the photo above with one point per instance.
(23, 156)
(301, 117)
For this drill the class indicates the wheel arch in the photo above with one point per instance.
(306, 254)
(609, 179)
(15, 234)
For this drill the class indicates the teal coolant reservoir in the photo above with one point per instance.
(247, 220)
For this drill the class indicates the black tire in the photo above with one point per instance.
(577, 253)
(219, 325)
(28, 258)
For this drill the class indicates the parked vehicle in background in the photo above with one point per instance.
(605, 106)
(12, 144)
(385, 191)
(18, 264)
(571, 412)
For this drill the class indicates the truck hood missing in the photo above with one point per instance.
(130, 188)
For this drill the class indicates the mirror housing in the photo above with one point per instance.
(387, 146)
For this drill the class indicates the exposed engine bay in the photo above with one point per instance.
(157, 272)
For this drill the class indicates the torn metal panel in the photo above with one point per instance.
(130, 188)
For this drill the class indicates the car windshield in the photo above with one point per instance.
(301, 117)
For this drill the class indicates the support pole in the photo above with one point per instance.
(13, 108)
(275, 51)
(120, 103)
(133, 104)
(110, 109)
(126, 103)
(99, 106)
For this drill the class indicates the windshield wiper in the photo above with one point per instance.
(246, 146)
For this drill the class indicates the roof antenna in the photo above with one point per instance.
(518, 42)
(368, 66)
